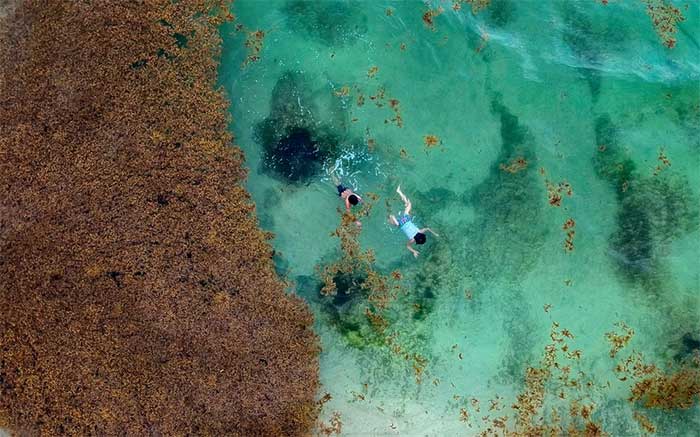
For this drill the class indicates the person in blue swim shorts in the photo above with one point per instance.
(405, 223)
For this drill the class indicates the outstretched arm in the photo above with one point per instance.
(413, 251)
(406, 202)
(392, 220)
(422, 231)
(348, 210)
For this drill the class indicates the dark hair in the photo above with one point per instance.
(419, 238)
(353, 199)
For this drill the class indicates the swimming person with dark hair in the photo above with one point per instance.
(405, 223)
(350, 197)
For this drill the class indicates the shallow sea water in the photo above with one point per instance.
(523, 98)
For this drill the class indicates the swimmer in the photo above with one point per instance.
(405, 223)
(349, 197)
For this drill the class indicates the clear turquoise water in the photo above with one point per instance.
(552, 82)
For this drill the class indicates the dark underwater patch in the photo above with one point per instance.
(334, 23)
(686, 114)
(610, 161)
(589, 39)
(503, 241)
(519, 353)
(181, 40)
(580, 35)
(437, 272)
(507, 229)
(672, 207)
(632, 244)
(500, 12)
(350, 310)
(269, 204)
(434, 200)
(348, 287)
(505, 238)
(295, 144)
(295, 156)
(513, 134)
(687, 348)
(652, 210)
(345, 311)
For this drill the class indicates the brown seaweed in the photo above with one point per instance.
(138, 294)
(665, 18)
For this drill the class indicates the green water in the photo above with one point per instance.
(585, 93)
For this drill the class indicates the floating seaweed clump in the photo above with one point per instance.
(665, 18)
(431, 141)
(554, 400)
(644, 423)
(254, 44)
(334, 427)
(379, 98)
(569, 227)
(356, 295)
(664, 162)
(558, 398)
(429, 17)
(363, 304)
(619, 340)
(372, 71)
(653, 388)
(555, 193)
(679, 389)
(475, 5)
(138, 293)
(515, 165)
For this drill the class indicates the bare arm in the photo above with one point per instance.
(407, 203)
(412, 250)
(392, 220)
(348, 208)
(422, 231)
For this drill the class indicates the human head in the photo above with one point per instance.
(419, 238)
(353, 199)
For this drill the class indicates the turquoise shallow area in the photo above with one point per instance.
(585, 94)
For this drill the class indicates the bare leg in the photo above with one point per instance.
(406, 202)
(336, 181)
(392, 220)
